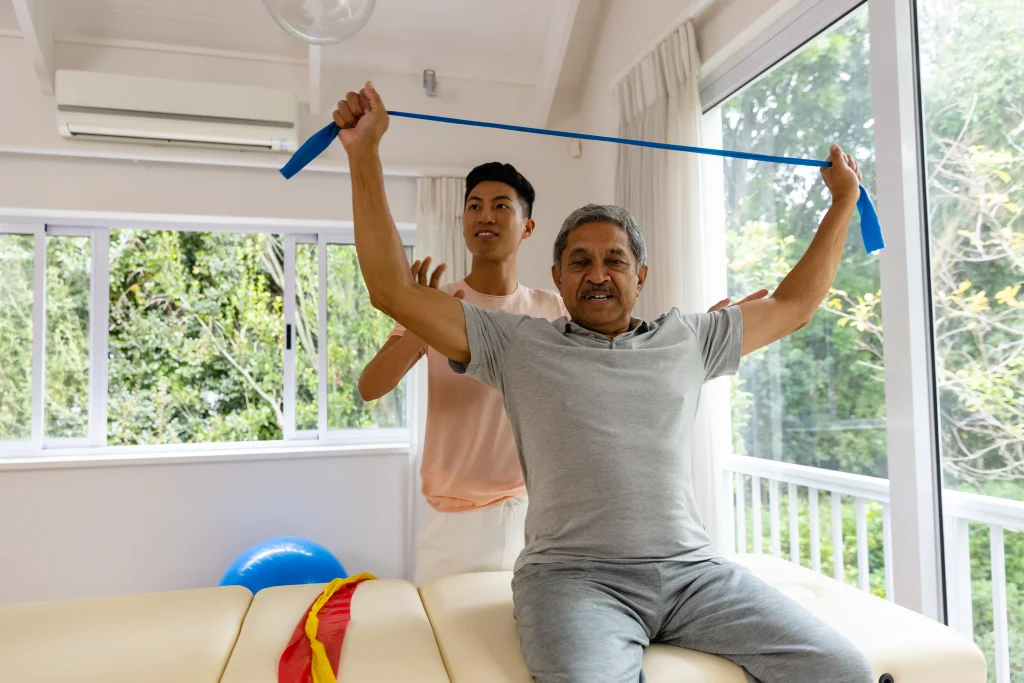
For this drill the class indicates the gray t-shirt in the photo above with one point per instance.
(603, 428)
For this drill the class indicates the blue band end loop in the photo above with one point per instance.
(870, 230)
(310, 149)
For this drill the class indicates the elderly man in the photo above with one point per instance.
(602, 406)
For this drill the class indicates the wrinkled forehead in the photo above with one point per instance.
(598, 239)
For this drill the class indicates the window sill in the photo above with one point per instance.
(121, 456)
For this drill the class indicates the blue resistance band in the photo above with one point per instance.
(870, 229)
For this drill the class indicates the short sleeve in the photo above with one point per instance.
(491, 335)
(720, 337)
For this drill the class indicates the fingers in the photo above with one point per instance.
(415, 268)
(435, 279)
(759, 294)
(461, 294)
(424, 269)
(724, 303)
(343, 115)
(354, 104)
(854, 165)
(372, 97)
(720, 305)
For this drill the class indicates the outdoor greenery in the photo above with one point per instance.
(817, 398)
(196, 338)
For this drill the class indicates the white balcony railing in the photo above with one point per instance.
(960, 509)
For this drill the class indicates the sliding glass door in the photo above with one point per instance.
(900, 444)
(972, 94)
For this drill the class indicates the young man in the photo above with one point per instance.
(470, 470)
(602, 407)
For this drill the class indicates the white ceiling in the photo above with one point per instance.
(497, 40)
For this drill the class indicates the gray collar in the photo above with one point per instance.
(637, 326)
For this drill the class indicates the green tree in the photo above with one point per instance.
(197, 336)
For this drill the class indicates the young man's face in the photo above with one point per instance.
(493, 223)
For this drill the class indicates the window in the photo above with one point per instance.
(813, 417)
(68, 285)
(974, 161)
(817, 398)
(16, 330)
(354, 333)
(209, 336)
(305, 340)
(196, 332)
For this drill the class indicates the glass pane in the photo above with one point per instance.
(196, 332)
(307, 286)
(972, 85)
(68, 262)
(817, 397)
(355, 332)
(17, 266)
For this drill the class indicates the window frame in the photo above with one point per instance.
(97, 226)
(910, 388)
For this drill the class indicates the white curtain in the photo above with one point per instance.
(658, 101)
(439, 226)
(438, 235)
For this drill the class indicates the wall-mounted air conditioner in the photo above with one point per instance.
(100, 106)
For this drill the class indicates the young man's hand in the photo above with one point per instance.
(843, 177)
(759, 294)
(420, 270)
(362, 118)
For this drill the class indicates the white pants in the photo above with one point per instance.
(485, 539)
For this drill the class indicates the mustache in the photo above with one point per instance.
(598, 289)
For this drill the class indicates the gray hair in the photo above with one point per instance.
(602, 213)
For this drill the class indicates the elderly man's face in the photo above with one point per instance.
(599, 281)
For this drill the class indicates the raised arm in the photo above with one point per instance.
(799, 294)
(434, 316)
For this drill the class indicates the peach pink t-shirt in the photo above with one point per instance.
(469, 455)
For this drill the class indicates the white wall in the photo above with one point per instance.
(96, 530)
(85, 531)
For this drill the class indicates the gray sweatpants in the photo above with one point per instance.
(589, 621)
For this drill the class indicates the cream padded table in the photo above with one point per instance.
(223, 634)
(472, 619)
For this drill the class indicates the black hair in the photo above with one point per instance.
(498, 172)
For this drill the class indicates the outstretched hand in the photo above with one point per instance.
(759, 294)
(420, 271)
(362, 118)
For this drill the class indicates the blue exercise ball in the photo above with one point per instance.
(284, 561)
